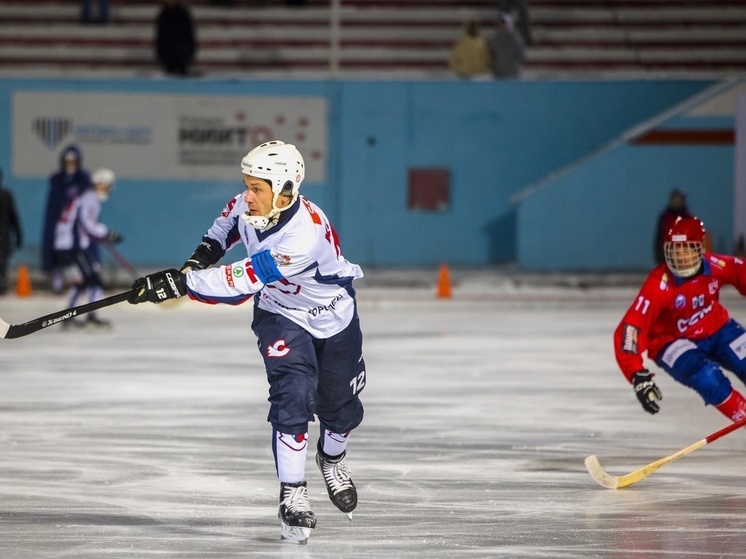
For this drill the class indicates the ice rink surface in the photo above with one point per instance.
(151, 440)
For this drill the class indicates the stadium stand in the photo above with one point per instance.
(397, 37)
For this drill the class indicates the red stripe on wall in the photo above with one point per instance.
(686, 137)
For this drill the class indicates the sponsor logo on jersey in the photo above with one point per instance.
(738, 261)
(680, 302)
(713, 287)
(683, 324)
(664, 282)
(229, 276)
(278, 349)
(629, 339)
(238, 271)
(315, 311)
(717, 261)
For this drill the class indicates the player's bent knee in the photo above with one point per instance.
(711, 384)
(344, 419)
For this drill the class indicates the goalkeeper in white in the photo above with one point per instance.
(305, 319)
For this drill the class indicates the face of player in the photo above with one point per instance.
(685, 257)
(102, 190)
(259, 196)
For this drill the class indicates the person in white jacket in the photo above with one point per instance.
(305, 319)
(77, 236)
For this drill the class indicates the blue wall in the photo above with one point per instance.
(602, 215)
(495, 137)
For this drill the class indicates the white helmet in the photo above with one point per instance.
(103, 182)
(282, 166)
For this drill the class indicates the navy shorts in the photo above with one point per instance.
(698, 363)
(311, 377)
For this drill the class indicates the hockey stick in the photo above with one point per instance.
(122, 261)
(618, 482)
(9, 331)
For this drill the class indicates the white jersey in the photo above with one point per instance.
(296, 268)
(78, 224)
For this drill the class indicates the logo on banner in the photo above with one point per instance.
(52, 131)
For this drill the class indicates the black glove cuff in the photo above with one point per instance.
(641, 376)
(205, 255)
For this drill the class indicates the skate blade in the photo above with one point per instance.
(294, 534)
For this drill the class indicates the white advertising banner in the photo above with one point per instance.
(163, 136)
(739, 205)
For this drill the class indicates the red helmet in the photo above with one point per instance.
(684, 246)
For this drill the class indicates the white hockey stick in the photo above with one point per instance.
(618, 482)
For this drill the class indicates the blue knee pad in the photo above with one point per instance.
(710, 383)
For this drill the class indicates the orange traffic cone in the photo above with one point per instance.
(23, 283)
(444, 282)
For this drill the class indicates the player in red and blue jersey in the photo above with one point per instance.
(677, 318)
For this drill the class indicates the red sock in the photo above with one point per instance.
(733, 407)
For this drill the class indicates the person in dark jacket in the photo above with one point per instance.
(176, 44)
(64, 187)
(10, 227)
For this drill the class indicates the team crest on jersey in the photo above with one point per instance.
(713, 287)
(278, 349)
(680, 302)
(281, 259)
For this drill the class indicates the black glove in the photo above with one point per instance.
(159, 287)
(205, 255)
(114, 238)
(647, 391)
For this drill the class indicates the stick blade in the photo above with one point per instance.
(4, 327)
(601, 476)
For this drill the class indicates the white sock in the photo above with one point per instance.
(334, 444)
(290, 454)
(94, 294)
(72, 296)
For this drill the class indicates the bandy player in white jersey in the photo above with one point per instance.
(305, 319)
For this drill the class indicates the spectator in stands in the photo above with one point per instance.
(11, 237)
(677, 207)
(470, 55)
(176, 43)
(524, 20)
(507, 53)
(103, 11)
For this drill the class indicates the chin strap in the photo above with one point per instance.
(264, 222)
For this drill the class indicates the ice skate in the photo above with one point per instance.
(96, 324)
(295, 514)
(339, 484)
(72, 324)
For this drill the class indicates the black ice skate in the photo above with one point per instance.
(94, 323)
(295, 514)
(339, 484)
